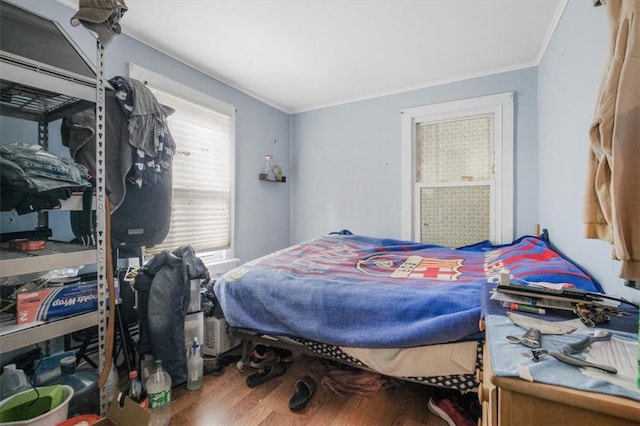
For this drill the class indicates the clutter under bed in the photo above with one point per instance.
(402, 309)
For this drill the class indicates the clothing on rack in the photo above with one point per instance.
(130, 158)
(78, 134)
(148, 130)
(33, 179)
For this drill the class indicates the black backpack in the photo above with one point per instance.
(142, 215)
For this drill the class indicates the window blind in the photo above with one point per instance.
(201, 195)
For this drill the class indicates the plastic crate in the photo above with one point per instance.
(216, 337)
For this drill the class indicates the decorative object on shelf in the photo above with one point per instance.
(277, 171)
(272, 172)
(268, 171)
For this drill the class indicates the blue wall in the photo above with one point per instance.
(343, 163)
(568, 84)
(346, 158)
(262, 209)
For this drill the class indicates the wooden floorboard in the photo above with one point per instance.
(227, 400)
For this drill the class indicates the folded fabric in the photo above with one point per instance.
(354, 382)
(33, 179)
(40, 170)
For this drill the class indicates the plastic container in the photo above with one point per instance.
(216, 338)
(194, 290)
(83, 420)
(49, 367)
(194, 367)
(112, 387)
(86, 395)
(146, 366)
(27, 408)
(12, 381)
(159, 392)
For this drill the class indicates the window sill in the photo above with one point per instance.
(219, 267)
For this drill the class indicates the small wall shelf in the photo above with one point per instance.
(263, 176)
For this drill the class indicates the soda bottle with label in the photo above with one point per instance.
(136, 391)
(158, 386)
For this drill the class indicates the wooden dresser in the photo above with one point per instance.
(510, 401)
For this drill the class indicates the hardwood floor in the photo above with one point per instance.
(227, 400)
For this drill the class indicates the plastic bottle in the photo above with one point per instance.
(86, 395)
(194, 367)
(112, 387)
(158, 386)
(12, 381)
(146, 365)
(136, 391)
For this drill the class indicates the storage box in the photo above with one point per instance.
(216, 338)
(129, 414)
(55, 302)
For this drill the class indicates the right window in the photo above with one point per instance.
(458, 172)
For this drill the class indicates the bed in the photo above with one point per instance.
(404, 309)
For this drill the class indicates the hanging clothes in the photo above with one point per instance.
(79, 135)
(163, 303)
(148, 130)
(612, 203)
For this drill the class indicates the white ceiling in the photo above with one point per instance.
(306, 54)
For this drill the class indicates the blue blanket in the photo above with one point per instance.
(358, 291)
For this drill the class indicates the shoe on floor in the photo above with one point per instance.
(450, 411)
(262, 356)
(305, 389)
(285, 355)
(266, 374)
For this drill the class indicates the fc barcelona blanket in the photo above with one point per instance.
(358, 291)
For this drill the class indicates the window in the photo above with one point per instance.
(457, 162)
(202, 196)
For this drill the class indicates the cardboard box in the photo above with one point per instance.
(56, 302)
(129, 414)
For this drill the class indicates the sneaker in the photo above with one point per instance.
(450, 411)
(285, 355)
(262, 357)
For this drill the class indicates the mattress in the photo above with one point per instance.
(363, 292)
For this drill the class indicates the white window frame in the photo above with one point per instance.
(500, 106)
(217, 259)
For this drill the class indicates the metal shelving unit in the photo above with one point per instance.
(44, 76)
(20, 336)
(56, 255)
